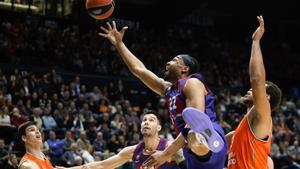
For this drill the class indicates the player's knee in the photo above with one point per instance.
(199, 149)
(196, 140)
(197, 143)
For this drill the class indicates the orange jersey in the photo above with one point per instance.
(246, 150)
(42, 164)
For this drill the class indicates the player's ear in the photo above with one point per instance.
(268, 97)
(23, 138)
(159, 127)
(185, 69)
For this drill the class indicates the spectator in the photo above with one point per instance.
(12, 162)
(69, 157)
(112, 144)
(45, 147)
(56, 147)
(91, 133)
(17, 118)
(44, 101)
(37, 118)
(4, 116)
(35, 99)
(25, 86)
(78, 161)
(293, 151)
(99, 144)
(72, 108)
(83, 143)
(78, 124)
(67, 120)
(68, 141)
(3, 153)
(48, 120)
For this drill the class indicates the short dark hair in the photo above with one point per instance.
(151, 112)
(275, 95)
(22, 128)
(191, 62)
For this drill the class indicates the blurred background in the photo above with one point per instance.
(56, 70)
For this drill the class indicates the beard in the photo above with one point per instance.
(145, 134)
(166, 76)
(170, 77)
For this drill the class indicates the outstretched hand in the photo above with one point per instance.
(112, 34)
(260, 30)
(155, 160)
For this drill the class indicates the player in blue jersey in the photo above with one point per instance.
(151, 142)
(190, 103)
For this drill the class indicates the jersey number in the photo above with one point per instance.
(172, 105)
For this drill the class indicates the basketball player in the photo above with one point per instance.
(251, 140)
(229, 136)
(190, 104)
(151, 142)
(32, 139)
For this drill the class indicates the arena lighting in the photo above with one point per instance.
(18, 7)
(141, 2)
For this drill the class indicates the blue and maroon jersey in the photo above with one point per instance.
(176, 102)
(138, 156)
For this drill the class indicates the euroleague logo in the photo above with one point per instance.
(216, 143)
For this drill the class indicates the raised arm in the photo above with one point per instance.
(158, 85)
(262, 109)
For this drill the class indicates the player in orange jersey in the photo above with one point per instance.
(229, 136)
(32, 139)
(251, 141)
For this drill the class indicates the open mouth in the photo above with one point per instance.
(146, 128)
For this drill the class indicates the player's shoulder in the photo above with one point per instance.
(193, 80)
(193, 83)
(27, 164)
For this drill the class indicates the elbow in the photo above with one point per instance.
(257, 75)
(137, 71)
(256, 79)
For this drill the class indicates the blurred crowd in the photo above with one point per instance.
(48, 43)
(83, 122)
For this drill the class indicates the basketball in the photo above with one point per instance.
(100, 9)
